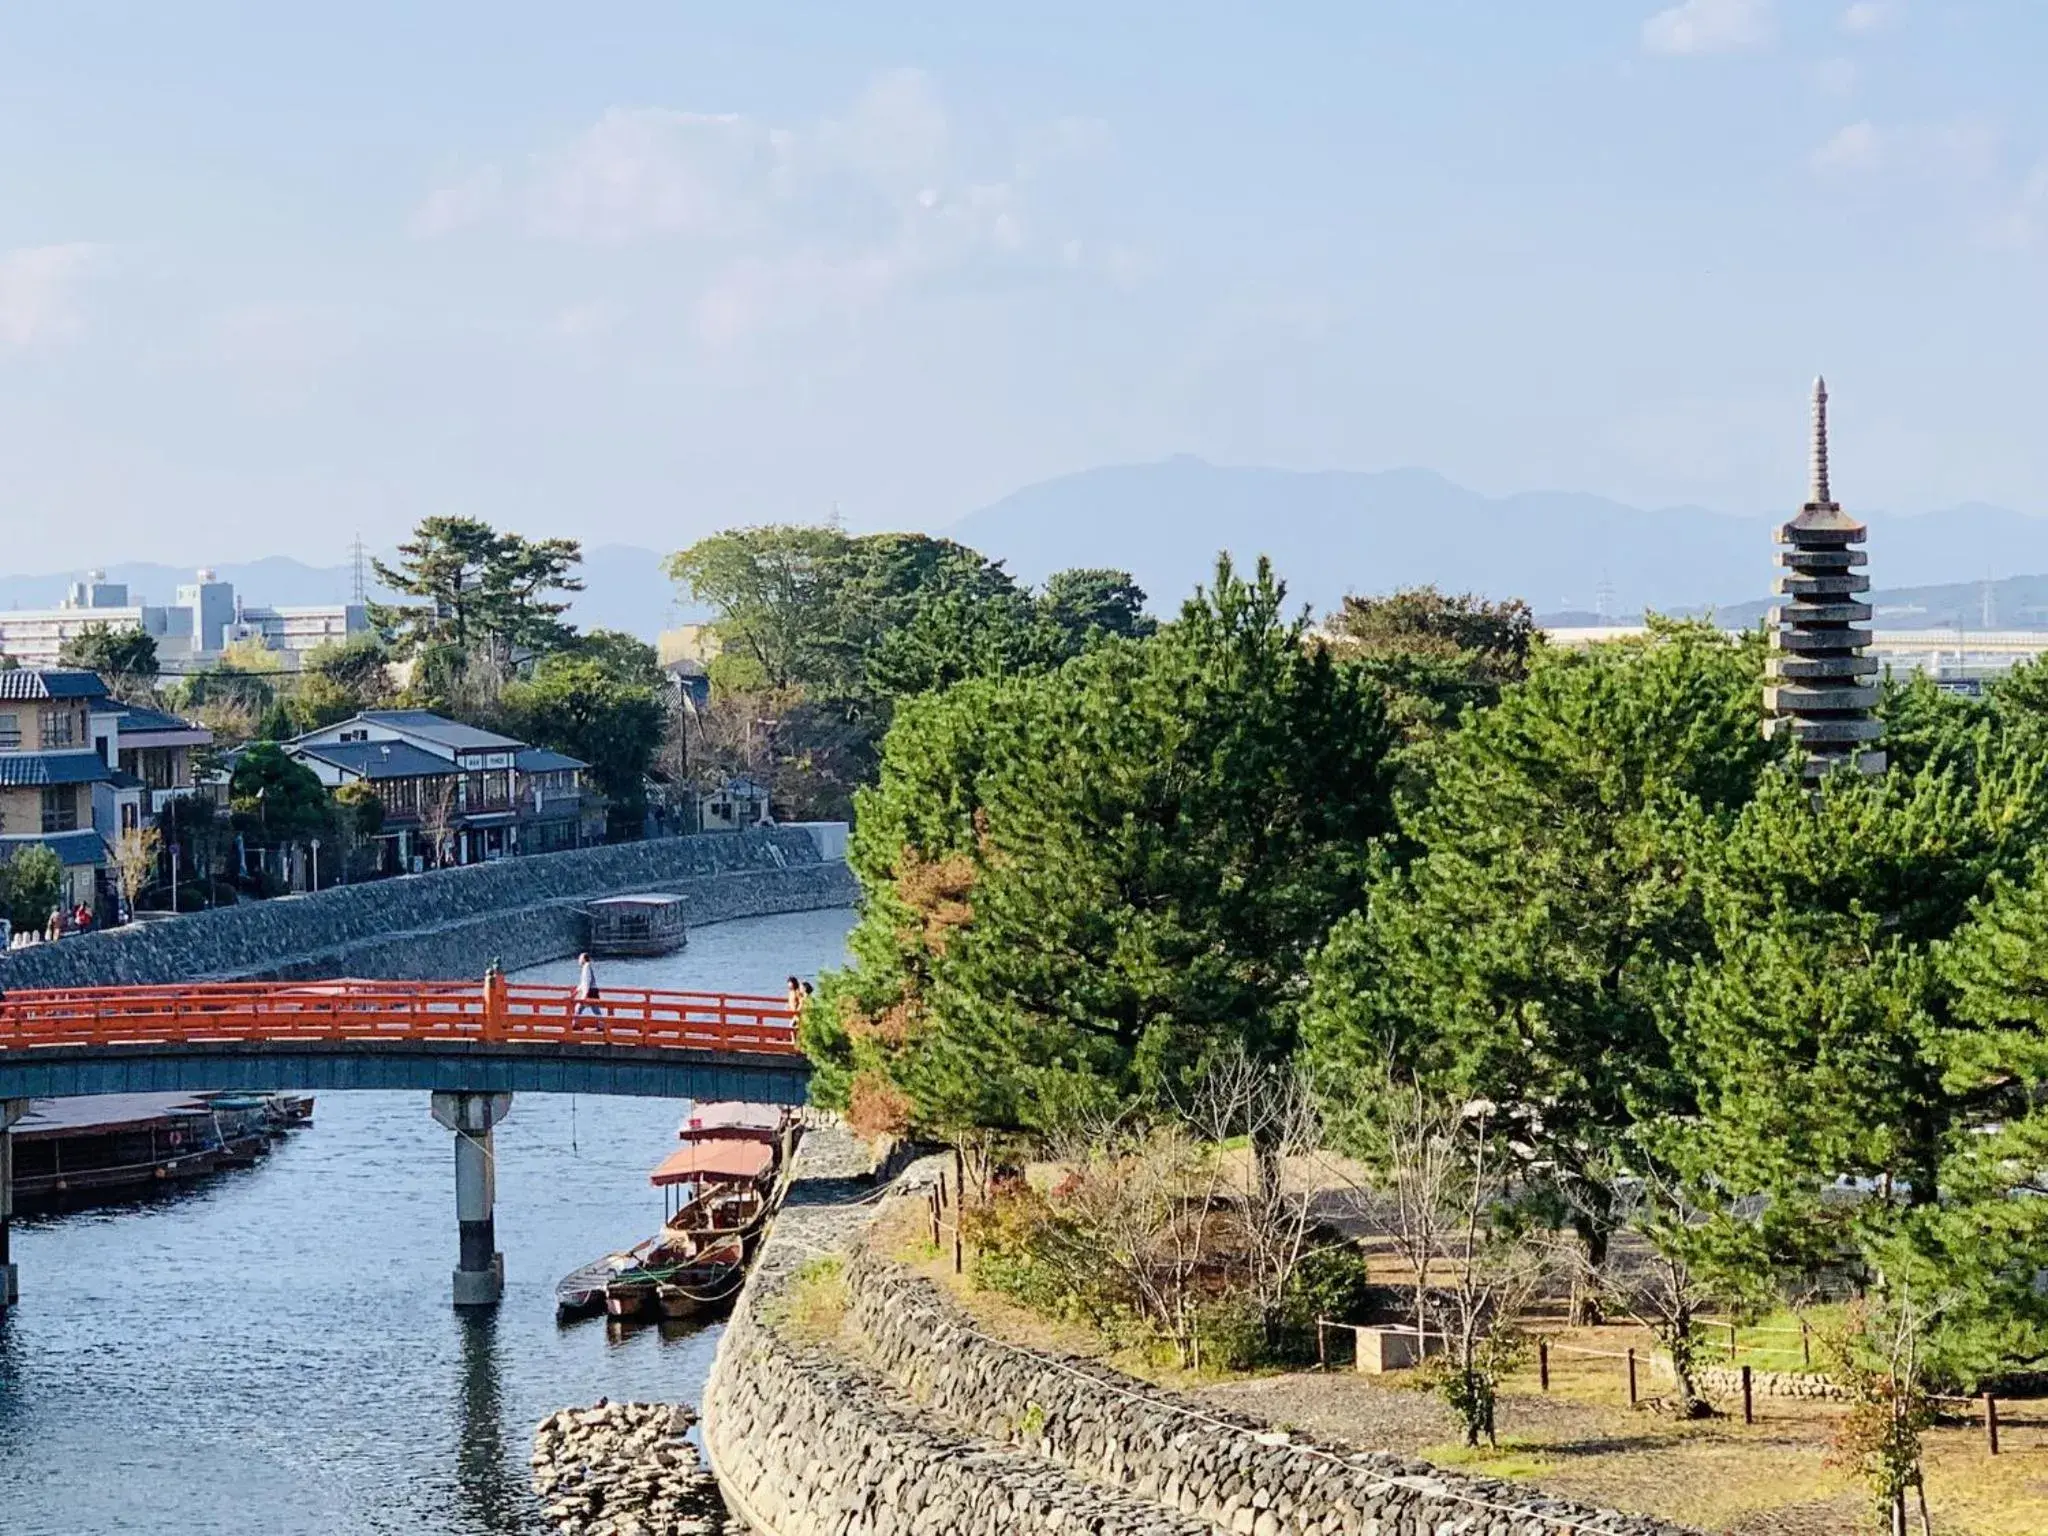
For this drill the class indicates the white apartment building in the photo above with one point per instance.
(206, 616)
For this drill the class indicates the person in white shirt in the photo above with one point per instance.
(586, 988)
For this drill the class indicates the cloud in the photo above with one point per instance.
(1837, 77)
(1866, 16)
(39, 291)
(1858, 147)
(459, 205)
(1960, 151)
(1710, 26)
(773, 224)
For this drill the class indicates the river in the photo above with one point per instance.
(274, 1350)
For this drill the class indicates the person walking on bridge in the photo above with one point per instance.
(586, 989)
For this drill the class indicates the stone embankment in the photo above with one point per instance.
(911, 1422)
(448, 923)
(624, 1469)
(1725, 1381)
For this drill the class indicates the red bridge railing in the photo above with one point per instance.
(290, 1012)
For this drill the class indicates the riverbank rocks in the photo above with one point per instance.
(624, 1469)
(915, 1423)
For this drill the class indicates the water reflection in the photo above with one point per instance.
(492, 1499)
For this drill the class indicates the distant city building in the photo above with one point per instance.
(454, 794)
(1823, 688)
(190, 632)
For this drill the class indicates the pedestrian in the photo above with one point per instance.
(586, 989)
(795, 997)
(54, 929)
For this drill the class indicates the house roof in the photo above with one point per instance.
(72, 848)
(42, 683)
(379, 759)
(25, 770)
(450, 733)
(541, 760)
(141, 720)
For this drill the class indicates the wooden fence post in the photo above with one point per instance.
(1322, 1349)
(1734, 1347)
(931, 1208)
(1991, 1423)
(1748, 1407)
(1631, 1378)
(1805, 1343)
(1543, 1364)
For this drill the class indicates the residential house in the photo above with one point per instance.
(58, 783)
(156, 749)
(454, 794)
(734, 806)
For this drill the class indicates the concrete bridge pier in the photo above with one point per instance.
(480, 1273)
(11, 1110)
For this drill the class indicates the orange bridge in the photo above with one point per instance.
(470, 1045)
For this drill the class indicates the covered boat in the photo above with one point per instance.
(637, 925)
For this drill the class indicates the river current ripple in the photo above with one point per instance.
(274, 1351)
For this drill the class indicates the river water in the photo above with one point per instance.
(274, 1351)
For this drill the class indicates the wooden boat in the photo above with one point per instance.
(637, 925)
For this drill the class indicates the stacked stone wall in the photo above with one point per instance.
(447, 923)
(915, 1425)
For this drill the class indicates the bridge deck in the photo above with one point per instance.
(386, 1034)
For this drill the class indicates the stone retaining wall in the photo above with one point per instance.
(925, 1427)
(447, 923)
(1725, 1381)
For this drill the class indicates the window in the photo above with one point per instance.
(60, 808)
(357, 735)
(10, 733)
(59, 728)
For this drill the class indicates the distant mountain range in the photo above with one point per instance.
(1335, 532)
(1568, 554)
(623, 586)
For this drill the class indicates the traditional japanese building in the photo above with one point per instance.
(1823, 686)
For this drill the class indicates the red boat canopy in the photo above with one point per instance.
(720, 1159)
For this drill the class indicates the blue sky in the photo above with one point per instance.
(631, 272)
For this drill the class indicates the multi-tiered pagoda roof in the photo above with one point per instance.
(1823, 687)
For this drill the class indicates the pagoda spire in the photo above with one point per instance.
(1820, 496)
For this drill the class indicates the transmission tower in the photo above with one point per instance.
(359, 559)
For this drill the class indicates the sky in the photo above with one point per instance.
(274, 276)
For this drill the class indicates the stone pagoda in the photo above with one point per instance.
(1822, 686)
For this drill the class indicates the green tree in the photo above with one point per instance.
(1523, 955)
(125, 659)
(1433, 653)
(1084, 605)
(31, 886)
(480, 591)
(1080, 886)
(275, 798)
(767, 590)
(575, 704)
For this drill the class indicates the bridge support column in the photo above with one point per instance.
(11, 1110)
(480, 1273)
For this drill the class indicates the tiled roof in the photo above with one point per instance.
(140, 720)
(379, 759)
(542, 760)
(72, 848)
(18, 683)
(450, 733)
(20, 770)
